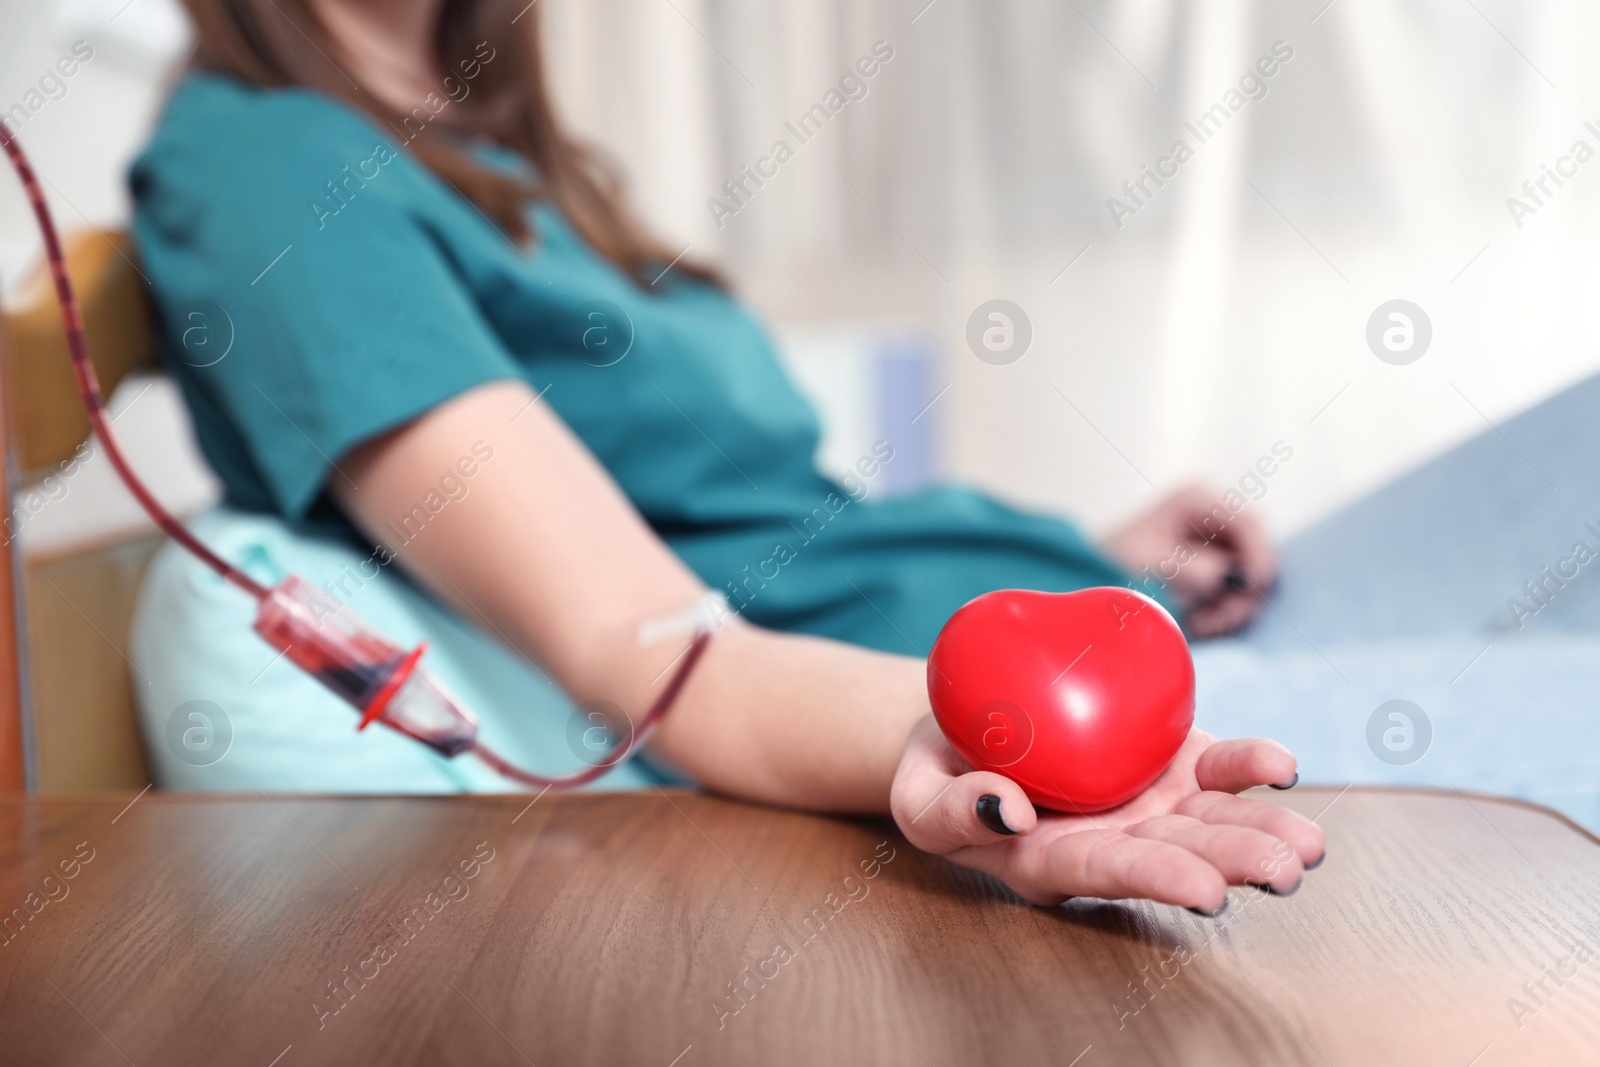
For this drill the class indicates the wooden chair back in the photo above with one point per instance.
(67, 715)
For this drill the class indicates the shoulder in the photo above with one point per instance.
(220, 142)
(213, 121)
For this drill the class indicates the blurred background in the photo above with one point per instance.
(1151, 335)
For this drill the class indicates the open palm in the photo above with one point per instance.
(1182, 841)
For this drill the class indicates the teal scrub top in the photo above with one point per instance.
(317, 286)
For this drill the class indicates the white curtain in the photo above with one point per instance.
(1224, 314)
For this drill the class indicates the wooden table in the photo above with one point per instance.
(676, 929)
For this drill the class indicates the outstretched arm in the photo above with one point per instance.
(544, 548)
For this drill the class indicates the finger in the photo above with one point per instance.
(1310, 844)
(1239, 533)
(1237, 765)
(940, 809)
(1223, 616)
(1213, 520)
(1202, 576)
(979, 808)
(1249, 539)
(1240, 853)
(1114, 866)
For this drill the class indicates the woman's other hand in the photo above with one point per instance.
(1217, 559)
(1182, 841)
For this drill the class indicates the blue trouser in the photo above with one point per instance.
(1465, 588)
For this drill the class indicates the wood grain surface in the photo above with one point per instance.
(675, 930)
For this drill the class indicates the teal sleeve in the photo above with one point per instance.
(303, 248)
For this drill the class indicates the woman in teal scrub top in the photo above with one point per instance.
(452, 345)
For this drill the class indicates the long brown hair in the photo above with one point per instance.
(283, 43)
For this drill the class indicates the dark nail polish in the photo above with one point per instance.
(1318, 863)
(989, 814)
(1292, 782)
(1209, 914)
(1235, 580)
(1274, 890)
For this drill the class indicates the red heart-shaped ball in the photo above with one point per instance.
(1080, 698)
